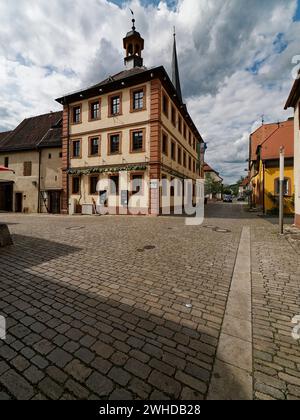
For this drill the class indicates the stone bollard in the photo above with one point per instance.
(5, 238)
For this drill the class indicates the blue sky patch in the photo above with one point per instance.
(22, 60)
(254, 69)
(280, 43)
(171, 3)
(297, 15)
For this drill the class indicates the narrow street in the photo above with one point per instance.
(148, 308)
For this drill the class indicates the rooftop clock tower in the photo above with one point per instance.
(134, 45)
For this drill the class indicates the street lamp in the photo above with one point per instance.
(281, 189)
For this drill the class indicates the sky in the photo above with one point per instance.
(235, 60)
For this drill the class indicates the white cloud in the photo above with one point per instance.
(48, 48)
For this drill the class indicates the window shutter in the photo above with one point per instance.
(27, 168)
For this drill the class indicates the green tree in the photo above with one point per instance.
(212, 186)
(226, 190)
(235, 187)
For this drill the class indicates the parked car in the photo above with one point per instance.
(227, 198)
(241, 198)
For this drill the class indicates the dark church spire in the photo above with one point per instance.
(175, 70)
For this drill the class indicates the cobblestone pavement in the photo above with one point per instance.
(132, 308)
(276, 301)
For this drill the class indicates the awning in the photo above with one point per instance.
(3, 169)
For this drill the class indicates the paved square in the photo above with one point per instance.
(133, 307)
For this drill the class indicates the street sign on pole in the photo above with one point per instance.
(281, 190)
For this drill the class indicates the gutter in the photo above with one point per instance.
(39, 176)
(294, 94)
(68, 158)
(264, 203)
(39, 182)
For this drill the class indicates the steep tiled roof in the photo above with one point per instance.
(108, 83)
(282, 136)
(245, 182)
(121, 75)
(52, 138)
(208, 169)
(259, 136)
(32, 132)
(3, 135)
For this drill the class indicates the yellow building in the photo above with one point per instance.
(132, 127)
(294, 102)
(33, 152)
(264, 149)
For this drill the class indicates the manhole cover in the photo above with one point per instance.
(149, 247)
(222, 230)
(75, 228)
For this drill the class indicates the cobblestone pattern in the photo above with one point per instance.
(92, 314)
(276, 300)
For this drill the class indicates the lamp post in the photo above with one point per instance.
(281, 191)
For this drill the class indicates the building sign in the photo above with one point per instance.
(154, 185)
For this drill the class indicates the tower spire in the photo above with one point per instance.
(133, 20)
(134, 45)
(175, 69)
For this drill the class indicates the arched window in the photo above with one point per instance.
(137, 49)
(286, 186)
(130, 49)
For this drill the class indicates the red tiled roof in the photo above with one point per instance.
(282, 136)
(259, 136)
(245, 182)
(208, 168)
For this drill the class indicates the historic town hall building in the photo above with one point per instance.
(131, 127)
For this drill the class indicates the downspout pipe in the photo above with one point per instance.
(264, 201)
(68, 159)
(39, 181)
(39, 150)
